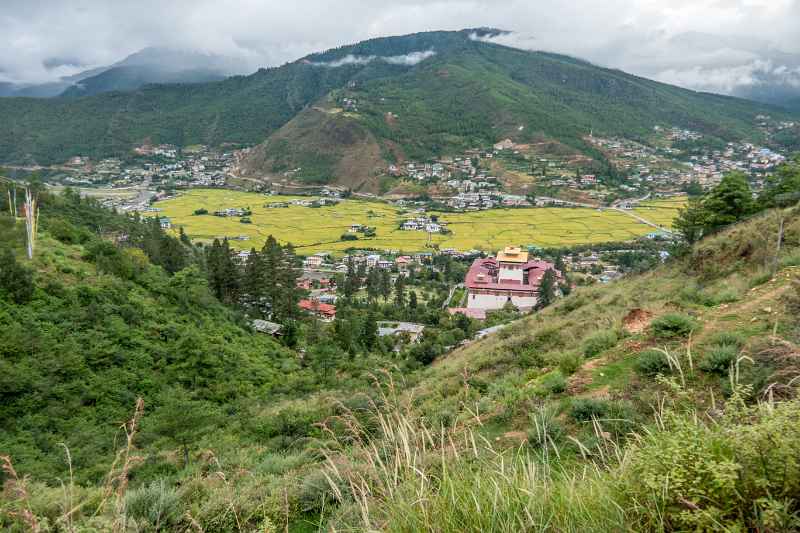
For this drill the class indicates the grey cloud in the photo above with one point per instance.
(410, 59)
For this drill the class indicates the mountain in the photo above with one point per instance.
(47, 90)
(445, 91)
(155, 65)
(149, 65)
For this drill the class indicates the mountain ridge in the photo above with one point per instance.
(248, 109)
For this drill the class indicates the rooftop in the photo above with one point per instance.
(512, 254)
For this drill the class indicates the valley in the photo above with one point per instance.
(319, 229)
(427, 282)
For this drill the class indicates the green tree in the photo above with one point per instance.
(547, 289)
(386, 284)
(400, 291)
(369, 331)
(182, 420)
(728, 202)
(16, 281)
(783, 188)
(691, 221)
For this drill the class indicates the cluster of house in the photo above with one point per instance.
(323, 261)
(232, 212)
(423, 223)
(509, 278)
(303, 202)
(649, 167)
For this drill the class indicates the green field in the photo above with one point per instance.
(661, 212)
(319, 229)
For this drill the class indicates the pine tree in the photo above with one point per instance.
(369, 331)
(400, 291)
(412, 300)
(373, 284)
(253, 284)
(288, 295)
(547, 289)
(386, 284)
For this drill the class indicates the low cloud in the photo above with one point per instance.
(407, 60)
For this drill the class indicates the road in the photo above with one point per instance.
(615, 207)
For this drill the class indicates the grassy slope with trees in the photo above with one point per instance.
(583, 417)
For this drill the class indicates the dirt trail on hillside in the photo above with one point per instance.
(759, 302)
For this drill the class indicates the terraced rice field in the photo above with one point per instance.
(319, 229)
(661, 212)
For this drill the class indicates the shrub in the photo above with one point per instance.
(569, 362)
(672, 326)
(552, 383)
(728, 476)
(348, 237)
(16, 280)
(585, 409)
(598, 342)
(545, 428)
(201, 211)
(760, 278)
(651, 363)
(727, 338)
(719, 358)
(154, 505)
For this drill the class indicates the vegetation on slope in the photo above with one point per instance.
(468, 91)
(663, 402)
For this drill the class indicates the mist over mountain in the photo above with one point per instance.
(149, 65)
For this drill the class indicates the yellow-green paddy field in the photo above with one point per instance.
(313, 230)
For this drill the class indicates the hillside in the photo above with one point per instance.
(666, 401)
(449, 90)
(481, 93)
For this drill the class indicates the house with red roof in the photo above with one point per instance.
(324, 311)
(493, 282)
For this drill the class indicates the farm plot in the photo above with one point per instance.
(661, 212)
(312, 230)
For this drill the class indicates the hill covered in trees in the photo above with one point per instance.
(444, 90)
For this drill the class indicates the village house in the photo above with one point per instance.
(326, 312)
(313, 262)
(510, 277)
(408, 329)
(267, 327)
(165, 223)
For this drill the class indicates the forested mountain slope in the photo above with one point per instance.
(448, 89)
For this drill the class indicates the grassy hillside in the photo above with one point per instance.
(469, 91)
(662, 402)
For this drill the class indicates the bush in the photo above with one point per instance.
(552, 383)
(727, 338)
(728, 476)
(599, 341)
(201, 211)
(585, 409)
(154, 505)
(569, 362)
(16, 280)
(651, 363)
(545, 428)
(719, 358)
(348, 237)
(672, 326)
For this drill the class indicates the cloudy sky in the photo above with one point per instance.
(705, 44)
